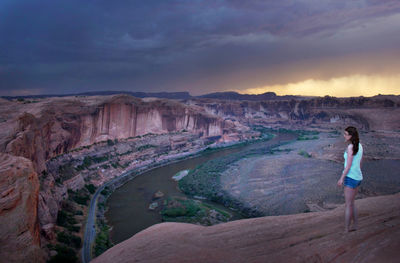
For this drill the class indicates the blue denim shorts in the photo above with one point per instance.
(349, 182)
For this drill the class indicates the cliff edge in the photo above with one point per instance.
(308, 237)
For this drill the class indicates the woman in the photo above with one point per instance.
(351, 177)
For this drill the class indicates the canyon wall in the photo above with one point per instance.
(42, 130)
(19, 228)
(49, 129)
(376, 113)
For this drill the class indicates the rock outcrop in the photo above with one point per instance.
(309, 237)
(46, 128)
(375, 113)
(53, 127)
(19, 227)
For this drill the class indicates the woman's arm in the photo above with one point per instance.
(348, 165)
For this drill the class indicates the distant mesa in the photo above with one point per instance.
(229, 95)
(166, 95)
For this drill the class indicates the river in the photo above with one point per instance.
(128, 207)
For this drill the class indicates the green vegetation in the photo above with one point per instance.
(66, 172)
(266, 133)
(305, 138)
(64, 254)
(105, 191)
(105, 166)
(91, 188)
(89, 160)
(144, 147)
(81, 148)
(125, 153)
(179, 209)
(103, 241)
(204, 180)
(80, 197)
(304, 154)
(65, 218)
(68, 239)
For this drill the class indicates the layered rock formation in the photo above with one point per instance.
(19, 229)
(309, 237)
(54, 127)
(376, 113)
(46, 128)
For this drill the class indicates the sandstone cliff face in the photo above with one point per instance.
(39, 131)
(59, 126)
(310, 237)
(365, 113)
(19, 228)
(120, 118)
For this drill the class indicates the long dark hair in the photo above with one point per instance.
(354, 138)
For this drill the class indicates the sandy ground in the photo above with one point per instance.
(289, 183)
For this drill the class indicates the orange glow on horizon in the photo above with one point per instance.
(349, 86)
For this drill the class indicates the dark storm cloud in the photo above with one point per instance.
(69, 46)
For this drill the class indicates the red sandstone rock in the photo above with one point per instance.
(309, 237)
(19, 228)
(52, 128)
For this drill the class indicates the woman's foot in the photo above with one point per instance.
(354, 228)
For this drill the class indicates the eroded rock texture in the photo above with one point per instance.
(19, 228)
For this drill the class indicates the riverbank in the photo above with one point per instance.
(315, 153)
(294, 178)
(167, 160)
(306, 237)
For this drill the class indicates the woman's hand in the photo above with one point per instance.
(340, 182)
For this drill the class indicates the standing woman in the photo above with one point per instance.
(351, 177)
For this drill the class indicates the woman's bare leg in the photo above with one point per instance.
(349, 214)
(355, 217)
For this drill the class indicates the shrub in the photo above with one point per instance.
(304, 154)
(65, 219)
(68, 239)
(110, 142)
(63, 238)
(81, 199)
(77, 241)
(91, 188)
(64, 254)
(102, 241)
(73, 228)
(144, 147)
(79, 212)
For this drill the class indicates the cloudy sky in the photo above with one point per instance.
(306, 47)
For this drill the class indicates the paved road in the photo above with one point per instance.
(90, 229)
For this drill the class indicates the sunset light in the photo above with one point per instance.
(350, 86)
